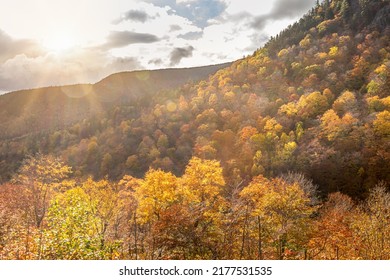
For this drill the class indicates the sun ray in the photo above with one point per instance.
(59, 43)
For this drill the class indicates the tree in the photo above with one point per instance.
(280, 214)
(106, 164)
(156, 192)
(126, 221)
(382, 124)
(332, 236)
(42, 176)
(311, 105)
(371, 225)
(345, 10)
(155, 195)
(104, 203)
(18, 236)
(346, 102)
(202, 185)
(73, 230)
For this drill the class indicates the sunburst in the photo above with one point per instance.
(59, 43)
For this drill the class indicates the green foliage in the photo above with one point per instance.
(72, 231)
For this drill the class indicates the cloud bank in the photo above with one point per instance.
(282, 9)
(125, 35)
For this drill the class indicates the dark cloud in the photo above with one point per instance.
(179, 53)
(197, 11)
(192, 35)
(125, 64)
(119, 39)
(283, 9)
(157, 61)
(10, 47)
(134, 15)
(174, 28)
(257, 39)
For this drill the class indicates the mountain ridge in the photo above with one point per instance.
(84, 100)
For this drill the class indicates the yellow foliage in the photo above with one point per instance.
(334, 51)
(202, 181)
(382, 124)
(156, 193)
(273, 126)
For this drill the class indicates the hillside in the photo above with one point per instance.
(310, 101)
(284, 154)
(47, 109)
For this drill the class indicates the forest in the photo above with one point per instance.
(284, 154)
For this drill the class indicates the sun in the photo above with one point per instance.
(59, 43)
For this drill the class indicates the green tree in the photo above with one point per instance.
(73, 232)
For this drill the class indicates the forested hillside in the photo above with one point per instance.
(284, 154)
(53, 108)
(27, 117)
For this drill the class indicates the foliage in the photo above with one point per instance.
(278, 155)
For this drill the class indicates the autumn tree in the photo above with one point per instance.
(18, 235)
(73, 230)
(42, 177)
(371, 225)
(155, 194)
(125, 223)
(278, 218)
(332, 236)
(202, 185)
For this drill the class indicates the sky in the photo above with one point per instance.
(58, 42)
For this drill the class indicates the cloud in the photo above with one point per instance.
(175, 27)
(74, 67)
(197, 11)
(124, 64)
(119, 39)
(185, 1)
(282, 9)
(10, 47)
(191, 35)
(134, 15)
(179, 53)
(156, 61)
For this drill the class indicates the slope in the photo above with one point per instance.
(45, 109)
(314, 100)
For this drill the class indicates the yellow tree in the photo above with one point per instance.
(103, 201)
(382, 124)
(280, 211)
(371, 225)
(202, 184)
(254, 221)
(155, 194)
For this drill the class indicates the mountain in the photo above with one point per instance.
(284, 154)
(49, 108)
(314, 99)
